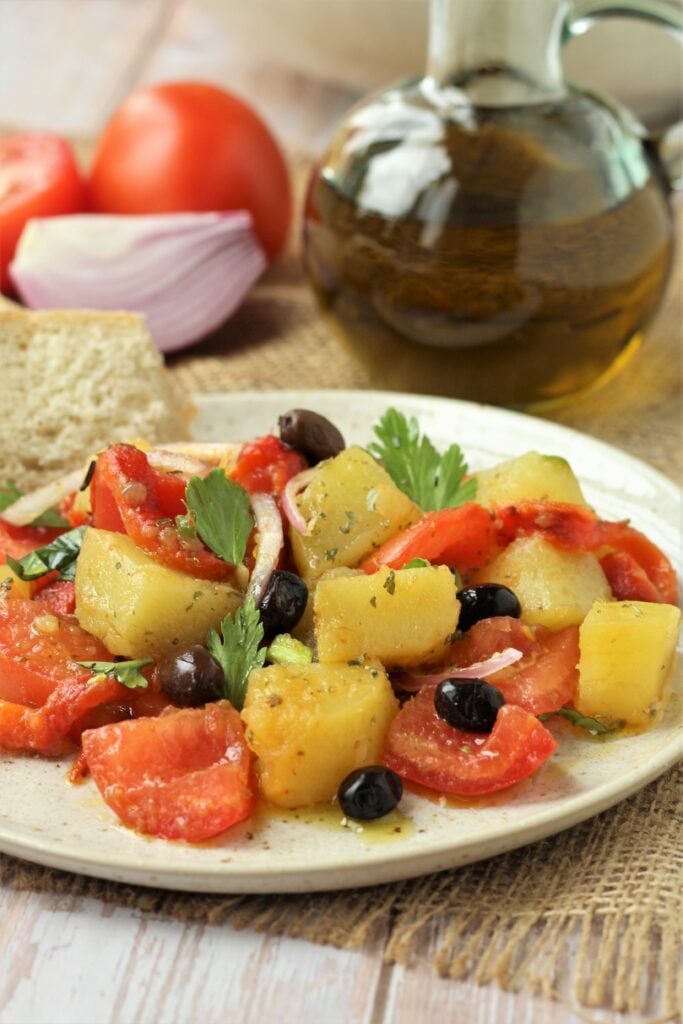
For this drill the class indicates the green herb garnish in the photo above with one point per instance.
(9, 493)
(286, 650)
(237, 650)
(432, 480)
(221, 514)
(60, 554)
(390, 582)
(592, 725)
(417, 563)
(126, 672)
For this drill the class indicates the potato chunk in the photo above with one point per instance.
(310, 725)
(402, 617)
(138, 607)
(531, 477)
(351, 507)
(627, 649)
(555, 588)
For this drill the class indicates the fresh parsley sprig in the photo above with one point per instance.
(592, 725)
(238, 650)
(432, 480)
(126, 672)
(60, 554)
(219, 511)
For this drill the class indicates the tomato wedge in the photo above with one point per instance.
(266, 465)
(423, 748)
(128, 488)
(184, 775)
(17, 541)
(570, 527)
(38, 651)
(58, 596)
(463, 537)
(639, 562)
(545, 679)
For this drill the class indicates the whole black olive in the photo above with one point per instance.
(192, 678)
(484, 601)
(311, 434)
(283, 602)
(370, 792)
(469, 704)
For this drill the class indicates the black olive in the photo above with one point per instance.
(370, 792)
(469, 704)
(283, 603)
(484, 601)
(192, 678)
(311, 434)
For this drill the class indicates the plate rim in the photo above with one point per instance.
(547, 821)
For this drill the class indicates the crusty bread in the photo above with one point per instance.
(71, 382)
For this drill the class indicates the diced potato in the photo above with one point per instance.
(555, 588)
(13, 585)
(627, 649)
(304, 629)
(140, 608)
(529, 477)
(310, 725)
(352, 507)
(404, 617)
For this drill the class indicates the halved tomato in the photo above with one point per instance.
(545, 679)
(185, 775)
(463, 537)
(266, 465)
(422, 748)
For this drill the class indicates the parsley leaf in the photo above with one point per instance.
(432, 480)
(417, 563)
(592, 725)
(220, 509)
(60, 554)
(126, 672)
(9, 493)
(237, 650)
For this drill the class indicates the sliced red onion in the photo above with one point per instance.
(185, 272)
(177, 462)
(214, 453)
(479, 670)
(27, 508)
(289, 505)
(270, 542)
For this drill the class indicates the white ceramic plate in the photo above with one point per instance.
(44, 819)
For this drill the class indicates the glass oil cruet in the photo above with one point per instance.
(489, 231)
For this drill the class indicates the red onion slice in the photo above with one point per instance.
(185, 272)
(479, 670)
(289, 506)
(269, 545)
(27, 508)
(214, 453)
(177, 462)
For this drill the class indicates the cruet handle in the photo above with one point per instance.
(668, 145)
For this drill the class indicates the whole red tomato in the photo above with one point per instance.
(39, 177)
(192, 147)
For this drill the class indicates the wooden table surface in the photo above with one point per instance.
(64, 66)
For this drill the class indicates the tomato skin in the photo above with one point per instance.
(185, 775)
(133, 488)
(545, 679)
(40, 178)
(422, 748)
(191, 146)
(463, 537)
(266, 465)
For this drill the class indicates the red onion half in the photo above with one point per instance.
(289, 506)
(185, 272)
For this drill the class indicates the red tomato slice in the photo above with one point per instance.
(423, 748)
(39, 178)
(190, 146)
(266, 465)
(570, 527)
(645, 563)
(185, 775)
(463, 537)
(142, 505)
(545, 679)
(33, 662)
(58, 596)
(17, 541)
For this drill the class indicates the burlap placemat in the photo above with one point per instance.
(592, 915)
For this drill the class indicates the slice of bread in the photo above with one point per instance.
(72, 382)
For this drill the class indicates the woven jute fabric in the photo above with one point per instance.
(593, 915)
